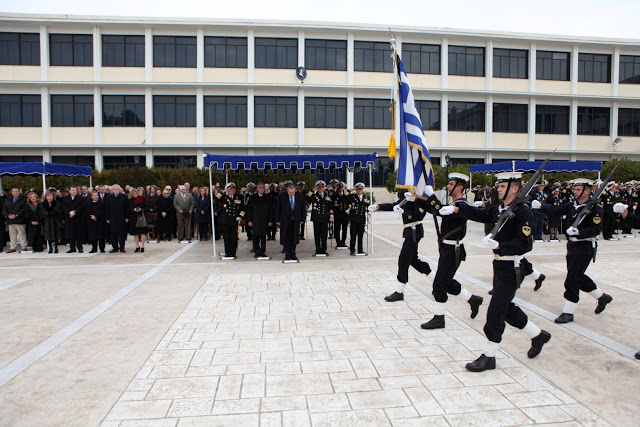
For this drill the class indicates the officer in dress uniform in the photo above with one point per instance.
(321, 211)
(358, 205)
(581, 249)
(301, 185)
(230, 210)
(251, 188)
(452, 252)
(509, 245)
(341, 202)
(608, 199)
(412, 211)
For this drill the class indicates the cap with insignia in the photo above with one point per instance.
(583, 181)
(509, 176)
(459, 177)
(272, 185)
(301, 183)
(359, 185)
(334, 181)
(230, 185)
(321, 183)
(287, 182)
(250, 185)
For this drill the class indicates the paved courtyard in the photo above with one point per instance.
(171, 337)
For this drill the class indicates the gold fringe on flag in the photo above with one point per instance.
(392, 147)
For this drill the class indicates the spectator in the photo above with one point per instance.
(260, 216)
(96, 226)
(3, 222)
(73, 213)
(117, 218)
(183, 203)
(138, 208)
(203, 213)
(50, 215)
(14, 212)
(34, 227)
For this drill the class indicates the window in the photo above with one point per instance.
(174, 111)
(466, 61)
(175, 161)
(276, 112)
(552, 119)
(20, 111)
(276, 53)
(510, 63)
(466, 116)
(511, 118)
(20, 158)
(225, 111)
(225, 52)
(326, 55)
(71, 110)
(429, 114)
(371, 113)
(594, 68)
(325, 113)
(552, 65)
(593, 120)
(384, 166)
(71, 50)
(171, 51)
(19, 49)
(628, 122)
(123, 51)
(123, 110)
(373, 56)
(75, 160)
(421, 58)
(629, 69)
(114, 162)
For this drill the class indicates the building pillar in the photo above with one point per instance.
(148, 155)
(45, 110)
(532, 123)
(574, 70)
(573, 124)
(488, 129)
(148, 54)
(44, 53)
(251, 56)
(350, 58)
(444, 63)
(489, 64)
(533, 60)
(350, 117)
(615, 72)
(199, 55)
(97, 54)
(97, 155)
(200, 158)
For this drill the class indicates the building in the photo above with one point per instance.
(102, 91)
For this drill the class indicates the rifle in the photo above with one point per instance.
(522, 197)
(595, 198)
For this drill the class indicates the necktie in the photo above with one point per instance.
(291, 201)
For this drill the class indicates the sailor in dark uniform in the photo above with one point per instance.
(509, 245)
(341, 201)
(358, 205)
(230, 210)
(321, 211)
(581, 248)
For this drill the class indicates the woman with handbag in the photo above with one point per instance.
(138, 226)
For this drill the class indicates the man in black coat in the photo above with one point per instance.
(117, 215)
(13, 210)
(73, 213)
(260, 218)
(2, 222)
(290, 213)
(96, 229)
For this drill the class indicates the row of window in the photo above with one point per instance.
(231, 52)
(231, 111)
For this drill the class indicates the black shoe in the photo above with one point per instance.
(539, 281)
(638, 355)
(113, 251)
(123, 251)
(169, 239)
(282, 251)
(50, 250)
(137, 250)
(255, 255)
(70, 251)
(80, 250)
(602, 302)
(564, 318)
(491, 292)
(101, 251)
(537, 343)
(142, 250)
(294, 258)
(55, 251)
(396, 296)
(475, 302)
(93, 251)
(287, 258)
(436, 323)
(189, 241)
(301, 238)
(481, 364)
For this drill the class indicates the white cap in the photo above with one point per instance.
(459, 176)
(321, 182)
(509, 176)
(583, 181)
(231, 184)
(359, 185)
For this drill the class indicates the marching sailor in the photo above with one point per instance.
(358, 204)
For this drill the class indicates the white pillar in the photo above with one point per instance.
(148, 116)
(573, 124)
(200, 159)
(148, 54)
(350, 58)
(148, 154)
(44, 53)
(489, 64)
(97, 116)
(444, 62)
(615, 72)
(97, 54)
(301, 49)
(574, 70)
(613, 120)
(251, 56)
(533, 60)
(199, 116)
(97, 154)
(199, 54)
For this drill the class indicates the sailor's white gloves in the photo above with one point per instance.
(238, 219)
(446, 210)
(409, 197)
(397, 208)
(489, 242)
(373, 208)
(478, 204)
(572, 231)
(535, 204)
(620, 207)
(428, 190)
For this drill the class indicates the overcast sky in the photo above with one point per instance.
(602, 18)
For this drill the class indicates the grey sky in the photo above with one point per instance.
(613, 18)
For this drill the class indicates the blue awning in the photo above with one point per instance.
(523, 166)
(290, 162)
(40, 168)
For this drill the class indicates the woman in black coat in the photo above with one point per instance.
(138, 206)
(96, 225)
(555, 221)
(165, 211)
(202, 205)
(50, 216)
(34, 228)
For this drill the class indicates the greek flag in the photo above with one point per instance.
(414, 154)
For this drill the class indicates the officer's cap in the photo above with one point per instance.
(251, 185)
(301, 183)
(287, 182)
(583, 181)
(272, 185)
(334, 181)
(359, 185)
(459, 177)
(509, 176)
(321, 183)
(230, 185)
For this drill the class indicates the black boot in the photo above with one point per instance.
(475, 302)
(537, 343)
(436, 323)
(539, 281)
(55, 248)
(602, 302)
(396, 296)
(564, 318)
(481, 364)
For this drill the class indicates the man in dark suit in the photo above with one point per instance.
(74, 214)
(259, 218)
(290, 212)
(117, 215)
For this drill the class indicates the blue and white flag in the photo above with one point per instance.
(413, 145)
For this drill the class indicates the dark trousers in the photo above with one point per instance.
(230, 236)
(302, 227)
(259, 243)
(320, 231)
(538, 224)
(444, 283)
(271, 234)
(340, 224)
(409, 257)
(357, 232)
(608, 225)
(95, 244)
(75, 245)
(118, 239)
(34, 237)
(501, 308)
(203, 230)
(289, 239)
(576, 281)
(249, 232)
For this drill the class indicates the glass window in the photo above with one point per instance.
(20, 111)
(225, 111)
(20, 158)
(629, 69)
(371, 113)
(71, 50)
(594, 68)
(326, 54)
(552, 65)
(466, 61)
(421, 58)
(510, 63)
(174, 111)
(552, 119)
(225, 52)
(123, 110)
(71, 110)
(373, 56)
(276, 53)
(276, 111)
(629, 122)
(325, 113)
(175, 161)
(593, 120)
(384, 166)
(19, 49)
(123, 51)
(172, 51)
(511, 118)
(466, 116)
(114, 162)
(429, 114)
(75, 160)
